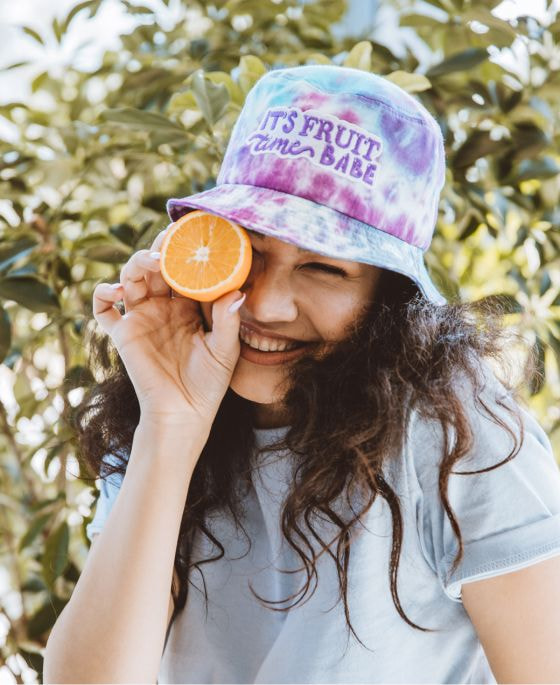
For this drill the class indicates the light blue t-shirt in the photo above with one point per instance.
(509, 519)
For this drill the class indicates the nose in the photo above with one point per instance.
(270, 296)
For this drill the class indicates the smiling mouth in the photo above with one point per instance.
(293, 346)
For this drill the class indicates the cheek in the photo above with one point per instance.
(335, 314)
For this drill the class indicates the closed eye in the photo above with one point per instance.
(328, 268)
(337, 271)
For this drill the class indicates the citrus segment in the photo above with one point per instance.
(204, 256)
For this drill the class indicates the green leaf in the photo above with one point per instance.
(554, 342)
(34, 660)
(15, 65)
(137, 9)
(91, 4)
(198, 48)
(50, 502)
(34, 584)
(39, 81)
(547, 167)
(485, 16)
(156, 202)
(221, 77)
(72, 573)
(360, 56)
(412, 83)
(27, 270)
(478, 144)
(124, 232)
(12, 358)
(5, 334)
(31, 293)
(251, 69)
(445, 5)
(545, 282)
(318, 58)
(96, 238)
(141, 120)
(31, 32)
(11, 252)
(62, 270)
(58, 29)
(469, 224)
(527, 141)
(382, 52)
(315, 37)
(512, 101)
(45, 617)
(538, 375)
(55, 557)
(157, 138)
(110, 254)
(185, 106)
(461, 61)
(34, 529)
(212, 98)
(52, 453)
(421, 21)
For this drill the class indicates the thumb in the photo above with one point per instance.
(223, 339)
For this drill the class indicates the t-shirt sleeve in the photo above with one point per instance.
(109, 488)
(509, 517)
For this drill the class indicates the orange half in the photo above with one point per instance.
(204, 256)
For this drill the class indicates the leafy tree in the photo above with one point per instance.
(86, 184)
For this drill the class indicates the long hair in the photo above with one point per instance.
(348, 407)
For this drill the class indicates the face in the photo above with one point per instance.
(299, 294)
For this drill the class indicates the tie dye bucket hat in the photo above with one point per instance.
(337, 161)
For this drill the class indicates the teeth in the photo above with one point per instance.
(264, 345)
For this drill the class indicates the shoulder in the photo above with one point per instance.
(488, 423)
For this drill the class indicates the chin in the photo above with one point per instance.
(256, 385)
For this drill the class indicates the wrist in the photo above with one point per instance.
(175, 428)
(173, 420)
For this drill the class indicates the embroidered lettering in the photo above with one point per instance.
(326, 140)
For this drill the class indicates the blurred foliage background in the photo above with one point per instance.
(86, 182)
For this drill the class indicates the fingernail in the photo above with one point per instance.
(116, 286)
(155, 255)
(235, 306)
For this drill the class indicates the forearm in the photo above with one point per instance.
(113, 628)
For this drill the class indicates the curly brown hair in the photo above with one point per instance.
(349, 409)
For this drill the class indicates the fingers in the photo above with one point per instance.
(223, 339)
(141, 275)
(104, 298)
(158, 241)
(133, 277)
(140, 278)
(156, 284)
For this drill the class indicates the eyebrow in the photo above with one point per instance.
(264, 237)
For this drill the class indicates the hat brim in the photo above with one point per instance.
(315, 227)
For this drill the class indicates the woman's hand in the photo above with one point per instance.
(179, 372)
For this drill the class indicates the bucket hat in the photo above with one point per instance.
(338, 161)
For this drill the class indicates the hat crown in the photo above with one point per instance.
(346, 139)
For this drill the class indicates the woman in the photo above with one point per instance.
(374, 506)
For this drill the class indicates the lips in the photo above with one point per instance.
(250, 329)
(270, 358)
(291, 345)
